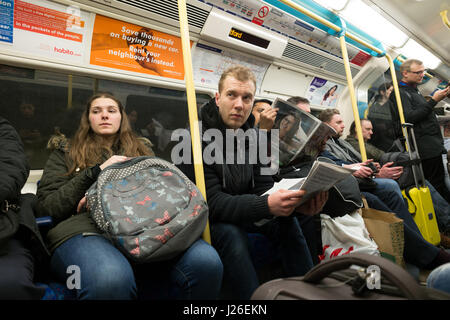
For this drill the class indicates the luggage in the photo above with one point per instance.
(355, 276)
(420, 204)
(148, 208)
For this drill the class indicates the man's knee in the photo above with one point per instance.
(229, 240)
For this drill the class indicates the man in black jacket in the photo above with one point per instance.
(234, 189)
(18, 231)
(420, 112)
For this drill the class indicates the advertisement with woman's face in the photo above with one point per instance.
(324, 92)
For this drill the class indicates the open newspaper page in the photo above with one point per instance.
(296, 129)
(321, 177)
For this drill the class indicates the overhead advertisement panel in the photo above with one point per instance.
(44, 29)
(288, 26)
(120, 45)
(210, 62)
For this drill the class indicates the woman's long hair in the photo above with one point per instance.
(327, 94)
(88, 148)
(293, 130)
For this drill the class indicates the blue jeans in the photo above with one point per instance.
(231, 242)
(106, 274)
(418, 251)
(439, 278)
(441, 208)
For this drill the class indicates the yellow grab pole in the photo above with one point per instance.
(445, 18)
(192, 107)
(310, 14)
(351, 90)
(397, 96)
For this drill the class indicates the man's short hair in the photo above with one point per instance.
(406, 65)
(238, 72)
(297, 99)
(327, 114)
(262, 100)
(353, 127)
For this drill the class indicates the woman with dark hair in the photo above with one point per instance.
(330, 96)
(288, 125)
(105, 137)
(379, 112)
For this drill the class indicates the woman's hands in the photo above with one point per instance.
(112, 160)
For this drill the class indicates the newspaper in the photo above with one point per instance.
(299, 132)
(321, 177)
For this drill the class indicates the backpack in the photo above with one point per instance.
(148, 208)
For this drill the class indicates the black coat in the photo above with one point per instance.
(420, 113)
(232, 191)
(14, 172)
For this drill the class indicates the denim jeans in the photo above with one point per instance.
(106, 274)
(231, 242)
(441, 208)
(439, 278)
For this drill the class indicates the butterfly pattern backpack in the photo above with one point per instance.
(148, 208)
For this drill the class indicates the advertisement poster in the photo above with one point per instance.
(125, 46)
(324, 93)
(6, 20)
(208, 64)
(45, 29)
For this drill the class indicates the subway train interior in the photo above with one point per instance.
(55, 54)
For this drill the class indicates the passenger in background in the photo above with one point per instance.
(18, 230)
(105, 137)
(263, 106)
(30, 126)
(420, 113)
(441, 207)
(379, 112)
(234, 194)
(132, 118)
(385, 195)
(301, 103)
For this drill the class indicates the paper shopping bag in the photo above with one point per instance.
(388, 232)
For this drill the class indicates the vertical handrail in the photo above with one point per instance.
(192, 107)
(351, 89)
(398, 98)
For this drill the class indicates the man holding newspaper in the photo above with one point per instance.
(234, 189)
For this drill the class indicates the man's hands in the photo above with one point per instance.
(267, 118)
(284, 202)
(389, 172)
(441, 94)
(314, 205)
(363, 171)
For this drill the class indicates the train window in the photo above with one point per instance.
(40, 103)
